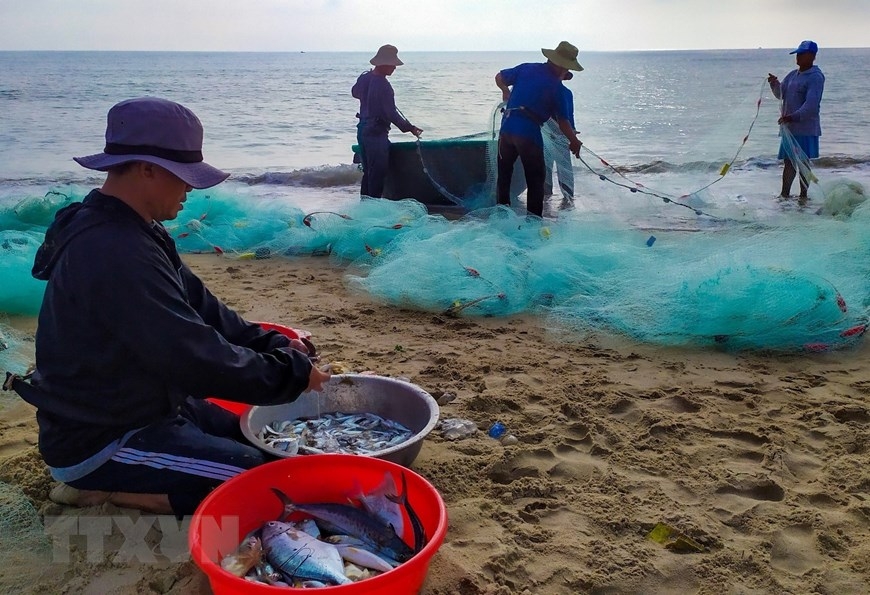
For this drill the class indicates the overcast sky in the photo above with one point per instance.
(363, 25)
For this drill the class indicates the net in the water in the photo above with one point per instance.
(679, 266)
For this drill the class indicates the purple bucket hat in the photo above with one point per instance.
(158, 131)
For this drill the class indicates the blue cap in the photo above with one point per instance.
(806, 46)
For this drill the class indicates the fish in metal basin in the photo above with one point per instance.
(356, 433)
(299, 556)
(350, 520)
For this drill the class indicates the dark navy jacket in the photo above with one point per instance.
(127, 331)
(377, 104)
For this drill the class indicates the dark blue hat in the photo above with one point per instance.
(806, 46)
(157, 131)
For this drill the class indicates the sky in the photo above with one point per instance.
(429, 25)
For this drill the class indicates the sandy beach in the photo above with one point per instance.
(759, 463)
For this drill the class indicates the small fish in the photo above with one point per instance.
(344, 541)
(249, 554)
(350, 520)
(359, 433)
(298, 555)
(365, 558)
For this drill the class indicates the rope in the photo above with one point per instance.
(457, 200)
(629, 184)
(670, 199)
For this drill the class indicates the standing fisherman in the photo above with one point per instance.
(533, 93)
(801, 93)
(377, 110)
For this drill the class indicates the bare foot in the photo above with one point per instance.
(153, 503)
(70, 496)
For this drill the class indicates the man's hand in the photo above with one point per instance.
(317, 378)
(416, 131)
(771, 78)
(574, 146)
(306, 347)
(785, 120)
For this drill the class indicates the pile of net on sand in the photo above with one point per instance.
(16, 352)
(25, 547)
(796, 283)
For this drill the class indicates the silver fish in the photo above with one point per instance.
(355, 433)
(363, 557)
(350, 520)
(298, 555)
(377, 502)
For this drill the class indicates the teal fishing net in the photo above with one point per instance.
(25, 547)
(20, 293)
(739, 285)
(657, 259)
(16, 353)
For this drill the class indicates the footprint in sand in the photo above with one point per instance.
(755, 489)
(794, 550)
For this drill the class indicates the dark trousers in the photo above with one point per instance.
(375, 157)
(185, 456)
(531, 154)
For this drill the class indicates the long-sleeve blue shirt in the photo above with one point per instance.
(377, 103)
(801, 94)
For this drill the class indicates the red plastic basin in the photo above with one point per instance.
(245, 502)
(240, 408)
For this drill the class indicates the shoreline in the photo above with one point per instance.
(759, 460)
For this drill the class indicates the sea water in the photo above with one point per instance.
(284, 123)
(730, 264)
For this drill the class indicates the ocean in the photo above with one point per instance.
(287, 121)
(654, 124)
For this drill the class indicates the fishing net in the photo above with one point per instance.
(25, 548)
(462, 171)
(20, 293)
(34, 211)
(22, 231)
(16, 353)
(658, 256)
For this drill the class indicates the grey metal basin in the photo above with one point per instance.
(389, 398)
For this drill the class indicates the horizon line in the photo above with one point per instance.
(367, 51)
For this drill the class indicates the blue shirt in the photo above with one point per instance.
(801, 94)
(568, 100)
(551, 126)
(536, 96)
